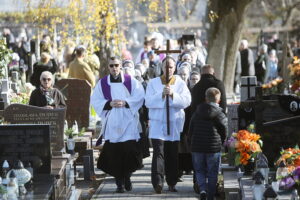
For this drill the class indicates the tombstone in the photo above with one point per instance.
(277, 119)
(77, 93)
(232, 116)
(5, 91)
(25, 114)
(14, 76)
(15, 87)
(28, 143)
(248, 84)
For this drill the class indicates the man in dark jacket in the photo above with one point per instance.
(207, 80)
(208, 130)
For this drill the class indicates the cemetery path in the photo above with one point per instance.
(142, 187)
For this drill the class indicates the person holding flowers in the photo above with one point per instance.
(208, 130)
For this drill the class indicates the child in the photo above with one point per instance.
(208, 130)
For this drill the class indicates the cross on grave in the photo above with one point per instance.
(167, 51)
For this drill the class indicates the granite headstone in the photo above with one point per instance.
(77, 93)
(277, 119)
(28, 143)
(25, 114)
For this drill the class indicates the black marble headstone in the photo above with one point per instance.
(77, 93)
(276, 121)
(25, 114)
(28, 143)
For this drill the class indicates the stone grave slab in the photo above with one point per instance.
(28, 143)
(25, 114)
(77, 93)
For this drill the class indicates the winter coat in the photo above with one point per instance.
(208, 129)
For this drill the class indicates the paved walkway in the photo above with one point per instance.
(142, 187)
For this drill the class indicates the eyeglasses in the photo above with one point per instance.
(46, 79)
(113, 65)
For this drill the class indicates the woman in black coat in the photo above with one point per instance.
(45, 64)
(45, 95)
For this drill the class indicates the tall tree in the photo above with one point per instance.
(227, 19)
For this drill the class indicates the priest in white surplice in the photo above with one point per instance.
(117, 99)
(165, 147)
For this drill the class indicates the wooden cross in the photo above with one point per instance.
(167, 51)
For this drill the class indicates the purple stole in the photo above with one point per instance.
(106, 88)
(107, 94)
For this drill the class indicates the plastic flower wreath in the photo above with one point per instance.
(291, 158)
(246, 144)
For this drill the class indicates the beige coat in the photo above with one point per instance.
(81, 70)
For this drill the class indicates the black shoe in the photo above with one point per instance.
(158, 189)
(172, 188)
(203, 195)
(196, 188)
(120, 190)
(128, 184)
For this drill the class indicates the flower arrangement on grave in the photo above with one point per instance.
(273, 87)
(291, 159)
(5, 56)
(21, 98)
(295, 75)
(246, 146)
(70, 133)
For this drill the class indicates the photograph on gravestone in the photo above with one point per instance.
(28, 143)
(276, 121)
(25, 114)
(77, 93)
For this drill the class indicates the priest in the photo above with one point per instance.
(165, 140)
(117, 99)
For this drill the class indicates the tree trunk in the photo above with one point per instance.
(224, 36)
(104, 55)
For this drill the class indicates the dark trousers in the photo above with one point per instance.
(120, 181)
(164, 162)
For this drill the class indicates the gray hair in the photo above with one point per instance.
(264, 47)
(212, 94)
(47, 73)
(244, 43)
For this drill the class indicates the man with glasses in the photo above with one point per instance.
(117, 99)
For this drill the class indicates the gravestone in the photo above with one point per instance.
(277, 119)
(248, 84)
(25, 114)
(28, 143)
(77, 93)
(5, 91)
(232, 116)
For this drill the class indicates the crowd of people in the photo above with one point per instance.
(136, 97)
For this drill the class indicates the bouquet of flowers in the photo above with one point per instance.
(273, 87)
(246, 145)
(291, 158)
(295, 75)
(21, 98)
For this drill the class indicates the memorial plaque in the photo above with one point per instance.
(77, 93)
(25, 114)
(28, 143)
